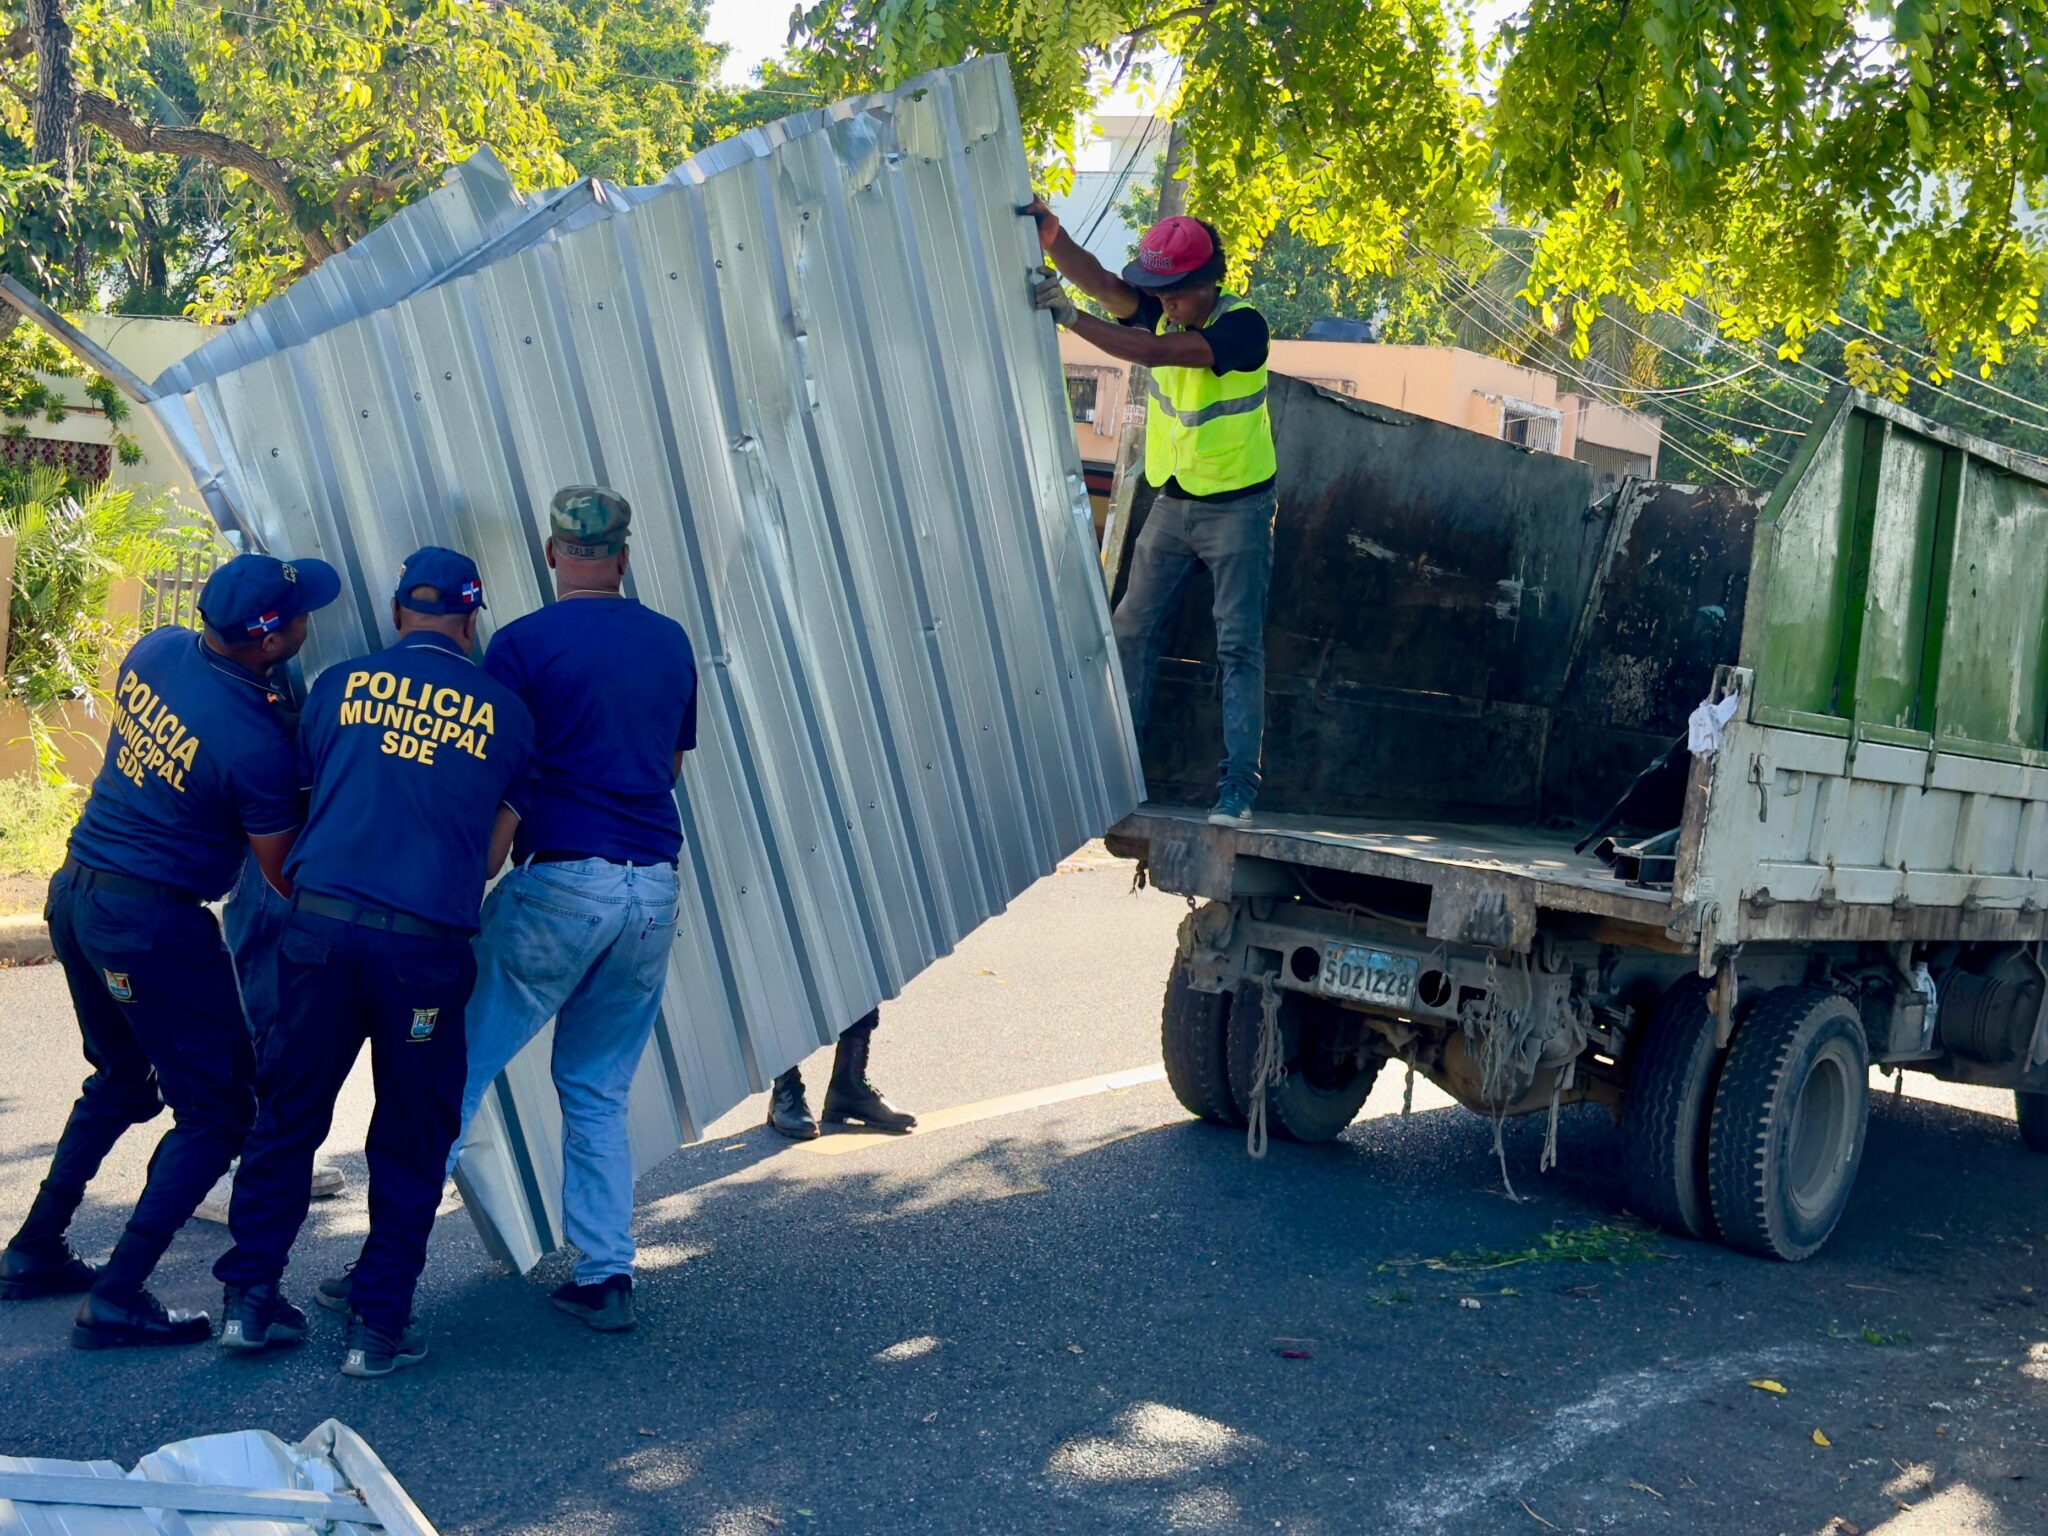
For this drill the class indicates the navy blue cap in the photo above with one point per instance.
(454, 576)
(253, 595)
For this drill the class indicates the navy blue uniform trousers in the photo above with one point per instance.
(154, 991)
(339, 984)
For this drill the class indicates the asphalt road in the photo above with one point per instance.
(1080, 1311)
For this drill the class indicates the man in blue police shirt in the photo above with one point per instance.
(580, 929)
(198, 771)
(416, 765)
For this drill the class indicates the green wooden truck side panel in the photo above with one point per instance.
(1899, 588)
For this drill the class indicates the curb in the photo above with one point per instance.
(24, 940)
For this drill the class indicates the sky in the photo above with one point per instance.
(753, 29)
(756, 29)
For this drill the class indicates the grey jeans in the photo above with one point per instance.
(1234, 541)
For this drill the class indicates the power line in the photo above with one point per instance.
(1485, 301)
(1832, 380)
(1587, 384)
(1925, 357)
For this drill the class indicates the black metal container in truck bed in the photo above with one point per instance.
(1479, 683)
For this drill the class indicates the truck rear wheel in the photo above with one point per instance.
(1194, 1042)
(1789, 1117)
(1321, 1088)
(1666, 1110)
(2032, 1110)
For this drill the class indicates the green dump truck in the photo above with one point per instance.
(1689, 801)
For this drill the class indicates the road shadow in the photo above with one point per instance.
(1089, 1320)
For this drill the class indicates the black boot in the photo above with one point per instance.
(850, 1096)
(54, 1271)
(788, 1111)
(136, 1318)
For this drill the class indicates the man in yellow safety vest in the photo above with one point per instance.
(1208, 454)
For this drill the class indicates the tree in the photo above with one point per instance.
(220, 149)
(1751, 156)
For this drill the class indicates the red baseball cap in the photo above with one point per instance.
(1172, 251)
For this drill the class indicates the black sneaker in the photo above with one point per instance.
(606, 1306)
(26, 1274)
(123, 1322)
(256, 1316)
(333, 1293)
(373, 1352)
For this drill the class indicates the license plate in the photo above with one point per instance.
(1368, 975)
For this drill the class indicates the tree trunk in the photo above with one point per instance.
(1173, 192)
(54, 115)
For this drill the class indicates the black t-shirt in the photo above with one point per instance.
(1238, 342)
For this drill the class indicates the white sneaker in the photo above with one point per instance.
(327, 1183)
(214, 1207)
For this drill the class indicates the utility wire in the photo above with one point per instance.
(1485, 301)
(1596, 391)
(1832, 380)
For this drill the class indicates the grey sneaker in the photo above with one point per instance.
(373, 1352)
(254, 1317)
(1233, 809)
(606, 1306)
(333, 1293)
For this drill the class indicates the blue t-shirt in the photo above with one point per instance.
(613, 689)
(198, 762)
(408, 753)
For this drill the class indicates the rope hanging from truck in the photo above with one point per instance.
(1268, 1067)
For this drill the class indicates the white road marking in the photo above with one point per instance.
(1619, 1402)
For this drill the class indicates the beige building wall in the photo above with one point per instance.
(1448, 384)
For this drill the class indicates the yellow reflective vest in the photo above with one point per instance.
(1209, 431)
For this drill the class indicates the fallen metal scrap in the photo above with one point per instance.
(809, 358)
(331, 1483)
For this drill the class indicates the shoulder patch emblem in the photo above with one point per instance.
(423, 1022)
(119, 985)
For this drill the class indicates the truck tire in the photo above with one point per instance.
(1666, 1110)
(1194, 1042)
(1789, 1118)
(1320, 1092)
(2032, 1111)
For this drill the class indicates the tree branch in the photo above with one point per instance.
(140, 137)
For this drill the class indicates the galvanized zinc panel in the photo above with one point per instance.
(809, 359)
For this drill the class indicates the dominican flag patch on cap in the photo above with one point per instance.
(471, 592)
(264, 623)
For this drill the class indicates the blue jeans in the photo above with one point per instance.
(1234, 540)
(584, 942)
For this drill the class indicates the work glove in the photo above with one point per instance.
(1050, 294)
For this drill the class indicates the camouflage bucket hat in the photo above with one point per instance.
(589, 522)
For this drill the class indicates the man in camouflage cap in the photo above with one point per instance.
(579, 929)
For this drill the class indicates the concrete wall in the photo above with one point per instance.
(147, 345)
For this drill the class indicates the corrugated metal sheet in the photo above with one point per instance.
(810, 360)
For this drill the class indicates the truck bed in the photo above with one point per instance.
(1484, 881)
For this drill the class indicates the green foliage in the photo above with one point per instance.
(1618, 1242)
(1749, 158)
(36, 817)
(360, 106)
(1760, 153)
(69, 549)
